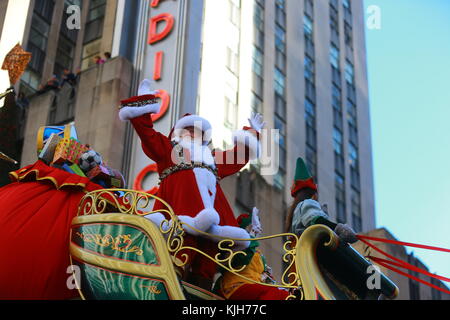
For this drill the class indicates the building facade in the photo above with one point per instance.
(302, 64)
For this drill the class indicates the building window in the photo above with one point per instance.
(258, 61)
(310, 108)
(257, 104)
(346, 4)
(311, 161)
(334, 56)
(280, 13)
(281, 127)
(309, 68)
(258, 20)
(340, 198)
(349, 72)
(353, 134)
(280, 39)
(347, 11)
(280, 106)
(337, 141)
(354, 177)
(356, 211)
(280, 60)
(336, 98)
(258, 82)
(235, 12)
(311, 136)
(233, 61)
(353, 155)
(230, 114)
(309, 8)
(280, 82)
(308, 27)
(94, 24)
(348, 31)
(351, 113)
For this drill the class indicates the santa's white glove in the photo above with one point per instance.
(256, 223)
(128, 113)
(346, 233)
(257, 122)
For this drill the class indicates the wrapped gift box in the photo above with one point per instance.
(99, 173)
(77, 170)
(48, 152)
(69, 150)
(106, 177)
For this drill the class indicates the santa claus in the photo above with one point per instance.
(190, 173)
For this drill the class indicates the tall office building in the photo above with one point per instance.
(302, 64)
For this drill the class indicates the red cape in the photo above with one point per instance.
(36, 212)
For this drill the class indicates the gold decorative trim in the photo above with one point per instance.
(51, 179)
(307, 264)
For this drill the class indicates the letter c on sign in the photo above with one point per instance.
(140, 177)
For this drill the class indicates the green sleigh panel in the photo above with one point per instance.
(122, 257)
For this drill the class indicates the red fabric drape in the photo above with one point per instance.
(36, 212)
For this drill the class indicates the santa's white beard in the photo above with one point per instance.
(199, 152)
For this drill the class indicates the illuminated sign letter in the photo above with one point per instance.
(158, 65)
(155, 3)
(153, 35)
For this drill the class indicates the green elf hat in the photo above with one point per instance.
(244, 220)
(303, 178)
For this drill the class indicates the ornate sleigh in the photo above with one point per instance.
(122, 255)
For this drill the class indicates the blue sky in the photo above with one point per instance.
(409, 83)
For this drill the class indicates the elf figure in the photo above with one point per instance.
(306, 211)
(234, 287)
(190, 173)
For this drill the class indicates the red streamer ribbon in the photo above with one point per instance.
(413, 278)
(402, 264)
(406, 244)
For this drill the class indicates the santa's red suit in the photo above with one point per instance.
(194, 194)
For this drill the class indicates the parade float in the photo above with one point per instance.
(123, 255)
(72, 231)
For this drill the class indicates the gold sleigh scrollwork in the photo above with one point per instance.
(136, 203)
(113, 242)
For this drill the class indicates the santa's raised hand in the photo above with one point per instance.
(257, 122)
(136, 106)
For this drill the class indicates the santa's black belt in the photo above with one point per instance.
(187, 166)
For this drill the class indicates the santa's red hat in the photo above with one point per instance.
(192, 120)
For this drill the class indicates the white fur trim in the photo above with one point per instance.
(202, 221)
(207, 186)
(231, 232)
(197, 122)
(128, 113)
(244, 137)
